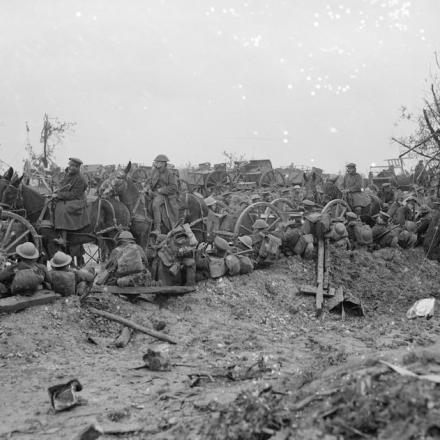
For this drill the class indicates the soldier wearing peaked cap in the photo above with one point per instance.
(164, 192)
(71, 212)
(352, 184)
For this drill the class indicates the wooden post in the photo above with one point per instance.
(326, 263)
(320, 278)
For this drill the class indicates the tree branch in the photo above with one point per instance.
(431, 129)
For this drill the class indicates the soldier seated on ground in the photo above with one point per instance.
(127, 264)
(338, 235)
(267, 196)
(359, 234)
(26, 276)
(175, 262)
(405, 212)
(383, 234)
(266, 246)
(423, 219)
(68, 281)
(386, 193)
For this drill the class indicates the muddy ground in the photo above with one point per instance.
(268, 368)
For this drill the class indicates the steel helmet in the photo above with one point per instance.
(260, 224)
(27, 250)
(246, 240)
(340, 229)
(161, 158)
(366, 235)
(351, 165)
(125, 235)
(60, 259)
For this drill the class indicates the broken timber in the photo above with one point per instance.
(133, 325)
(16, 303)
(152, 290)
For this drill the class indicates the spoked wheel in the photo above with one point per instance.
(217, 182)
(259, 210)
(336, 208)
(271, 178)
(286, 207)
(14, 230)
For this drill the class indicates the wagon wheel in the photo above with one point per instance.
(216, 182)
(259, 210)
(271, 178)
(14, 230)
(336, 208)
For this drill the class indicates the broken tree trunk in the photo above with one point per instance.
(133, 325)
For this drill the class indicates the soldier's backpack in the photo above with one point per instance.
(130, 260)
(26, 281)
(63, 282)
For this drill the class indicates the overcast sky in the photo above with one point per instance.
(305, 81)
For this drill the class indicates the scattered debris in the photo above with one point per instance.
(124, 337)
(64, 396)
(344, 302)
(423, 308)
(91, 432)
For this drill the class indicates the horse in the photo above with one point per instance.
(373, 207)
(106, 219)
(135, 196)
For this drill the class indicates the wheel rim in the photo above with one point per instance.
(272, 178)
(216, 182)
(336, 208)
(14, 230)
(259, 210)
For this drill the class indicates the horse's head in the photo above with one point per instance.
(11, 191)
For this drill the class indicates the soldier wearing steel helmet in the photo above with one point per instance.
(164, 191)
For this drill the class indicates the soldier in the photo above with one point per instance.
(175, 262)
(352, 185)
(26, 276)
(267, 196)
(164, 192)
(127, 263)
(71, 203)
(266, 246)
(383, 234)
(65, 280)
(386, 194)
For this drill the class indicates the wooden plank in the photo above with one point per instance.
(153, 290)
(310, 290)
(15, 303)
(335, 303)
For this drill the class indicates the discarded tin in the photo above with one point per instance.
(64, 396)
(422, 308)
